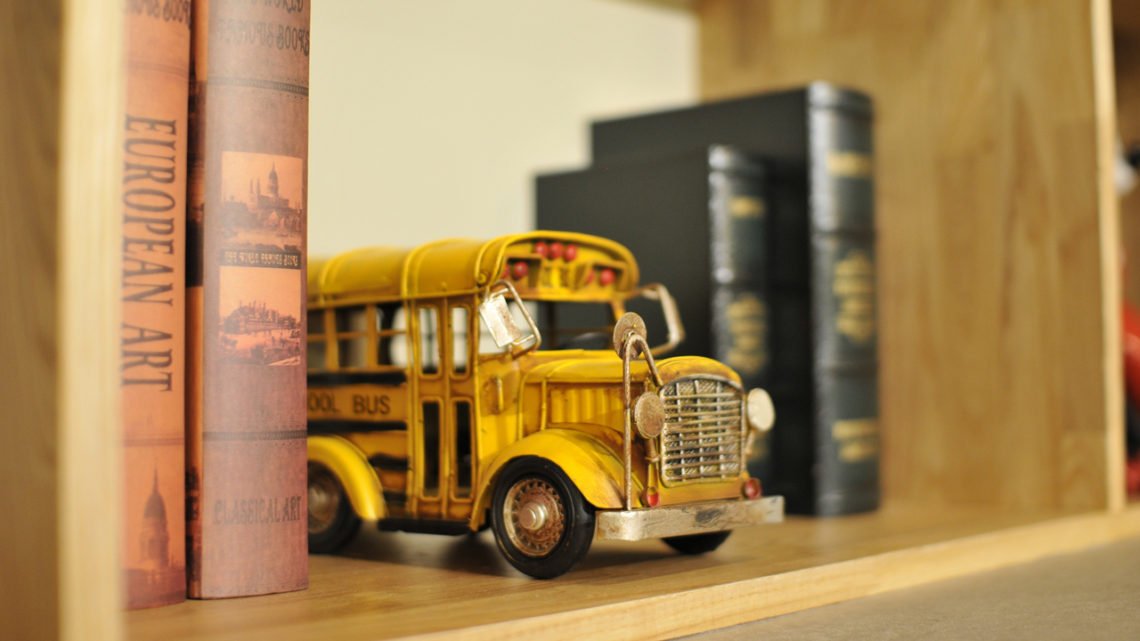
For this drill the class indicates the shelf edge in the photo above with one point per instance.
(719, 606)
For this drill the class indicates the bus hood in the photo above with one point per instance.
(585, 388)
(604, 367)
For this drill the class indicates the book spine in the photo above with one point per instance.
(844, 328)
(246, 275)
(153, 200)
(738, 211)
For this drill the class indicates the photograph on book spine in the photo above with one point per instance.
(259, 316)
(262, 210)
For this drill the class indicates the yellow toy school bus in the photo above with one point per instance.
(465, 384)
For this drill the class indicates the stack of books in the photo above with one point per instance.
(215, 144)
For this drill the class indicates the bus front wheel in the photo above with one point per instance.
(542, 523)
(332, 522)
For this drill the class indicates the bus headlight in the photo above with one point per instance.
(649, 415)
(759, 411)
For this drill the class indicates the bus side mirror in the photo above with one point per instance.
(498, 319)
(675, 330)
(496, 315)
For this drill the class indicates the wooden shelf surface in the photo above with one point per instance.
(391, 585)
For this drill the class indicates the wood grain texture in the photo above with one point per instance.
(60, 66)
(998, 287)
(30, 67)
(397, 585)
(87, 330)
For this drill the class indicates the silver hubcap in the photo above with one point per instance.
(533, 516)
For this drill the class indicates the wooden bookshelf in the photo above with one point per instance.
(395, 585)
(999, 299)
(62, 77)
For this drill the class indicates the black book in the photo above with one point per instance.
(819, 260)
(695, 221)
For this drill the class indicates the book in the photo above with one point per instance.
(696, 221)
(816, 145)
(152, 339)
(246, 411)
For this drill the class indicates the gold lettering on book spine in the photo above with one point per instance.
(747, 326)
(857, 439)
(853, 285)
(848, 164)
(746, 207)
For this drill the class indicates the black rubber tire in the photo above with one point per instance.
(345, 522)
(579, 516)
(697, 543)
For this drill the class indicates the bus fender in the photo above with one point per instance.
(354, 472)
(590, 464)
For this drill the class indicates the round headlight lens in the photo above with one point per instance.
(761, 414)
(649, 415)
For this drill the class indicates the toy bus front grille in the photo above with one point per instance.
(702, 437)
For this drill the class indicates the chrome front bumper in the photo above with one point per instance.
(692, 518)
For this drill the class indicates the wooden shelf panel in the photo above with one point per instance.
(396, 585)
(60, 244)
(997, 236)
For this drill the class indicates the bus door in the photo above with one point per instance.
(443, 463)
(460, 450)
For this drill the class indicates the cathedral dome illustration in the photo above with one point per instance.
(273, 186)
(155, 506)
(154, 539)
(265, 207)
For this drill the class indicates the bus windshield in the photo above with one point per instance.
(564, 325)
(579, 325)
(590, 324)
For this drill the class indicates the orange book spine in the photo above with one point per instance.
(152, 377)
(246, 447)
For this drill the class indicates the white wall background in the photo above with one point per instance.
(429, 118)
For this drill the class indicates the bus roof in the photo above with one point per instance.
(463, 266)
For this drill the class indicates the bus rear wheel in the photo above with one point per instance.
(332, 522)
(542, 523)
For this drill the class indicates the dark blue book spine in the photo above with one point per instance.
(738, 211)
(842, 301)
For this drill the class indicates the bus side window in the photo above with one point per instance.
(352, 337)
(463, 458)
(429, 339)
(392, 331)
(459, 339)
(430, 434)
(318, 346)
